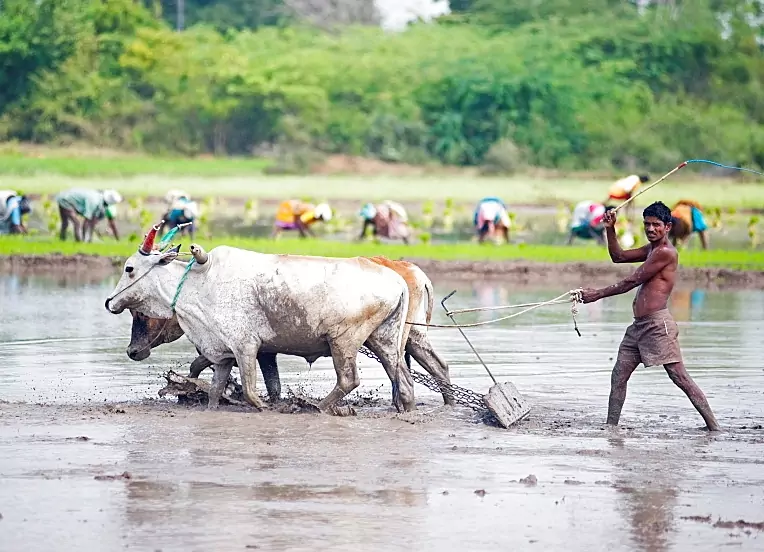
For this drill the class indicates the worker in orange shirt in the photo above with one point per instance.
(624, 189)
(294, 214)
(688, 218)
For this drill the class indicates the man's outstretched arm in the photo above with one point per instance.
(659, 260)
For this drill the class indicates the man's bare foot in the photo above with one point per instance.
(715, 429)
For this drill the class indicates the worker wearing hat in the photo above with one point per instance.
(13, 207)
(84, 208)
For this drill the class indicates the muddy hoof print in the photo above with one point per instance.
(298, 405)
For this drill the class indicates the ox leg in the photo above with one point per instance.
(344, 358)
(421, 350)
(403, 385)
(219, 381)
(246, 359)
(198, 365)
(270, 371)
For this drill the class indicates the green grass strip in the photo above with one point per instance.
(738, 260)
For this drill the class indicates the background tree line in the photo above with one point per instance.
(570, 84)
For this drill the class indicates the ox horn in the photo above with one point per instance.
(199, 254)
(148, 241)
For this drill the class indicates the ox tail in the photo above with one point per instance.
(430, 301)
(403, 304)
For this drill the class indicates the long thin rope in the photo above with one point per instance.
(503, 307)
(723, 166)
(681, 166)
(574, 295)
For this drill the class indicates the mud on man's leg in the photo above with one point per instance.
(619, 380)
(678, 374)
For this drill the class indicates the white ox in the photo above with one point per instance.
(147, 333)
(235, 303)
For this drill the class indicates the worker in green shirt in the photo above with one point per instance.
(84, 209)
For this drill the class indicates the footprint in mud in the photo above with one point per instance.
(123, 475)
(530, 480)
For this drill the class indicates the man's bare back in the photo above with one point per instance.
(652, 339)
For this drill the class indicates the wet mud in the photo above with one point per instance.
(91, 458)
(157, 476)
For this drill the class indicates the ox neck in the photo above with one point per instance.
(170, 276)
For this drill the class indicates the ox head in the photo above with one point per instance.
(141, 285)
(148, 333)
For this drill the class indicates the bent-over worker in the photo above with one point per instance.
(294, 214)
(652, 338)
(625, 188)
(687, 217)
(180, 210)
(89, 205)
(587, 221)
(387, 219)
(13, 207)
(491, 217)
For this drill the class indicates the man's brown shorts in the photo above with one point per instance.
(652, 340)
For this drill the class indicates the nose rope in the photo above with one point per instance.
(172, 305)
(131, 284)
(177, 290)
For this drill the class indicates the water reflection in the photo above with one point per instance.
(228, 480)
(648, 491)
(687, 305)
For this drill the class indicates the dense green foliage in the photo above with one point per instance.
(573, 85)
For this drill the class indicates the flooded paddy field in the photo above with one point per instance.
(92, 459)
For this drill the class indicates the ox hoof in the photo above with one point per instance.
(256, 404)
(341, 411)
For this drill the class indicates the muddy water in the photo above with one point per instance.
(77, 408)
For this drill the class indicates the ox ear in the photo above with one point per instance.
(169, 256)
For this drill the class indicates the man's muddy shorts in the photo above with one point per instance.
(652, 340)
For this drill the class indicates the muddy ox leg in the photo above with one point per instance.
(219, 381)
(344, 358)
(246, 358)
(421, 350)
(198, 365)
(403, 385)
(270, 371)
(268, 367)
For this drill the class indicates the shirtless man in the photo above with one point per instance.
(652, 339)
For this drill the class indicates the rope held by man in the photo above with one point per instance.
(573, 296)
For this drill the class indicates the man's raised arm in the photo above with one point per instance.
(617, 253)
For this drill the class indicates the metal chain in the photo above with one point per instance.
(463, 396)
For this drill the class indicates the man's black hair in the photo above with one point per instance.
(658, 210)
(609, 208)
(644, 178)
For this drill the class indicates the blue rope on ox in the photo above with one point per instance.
(723, 166)
(182, 281)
